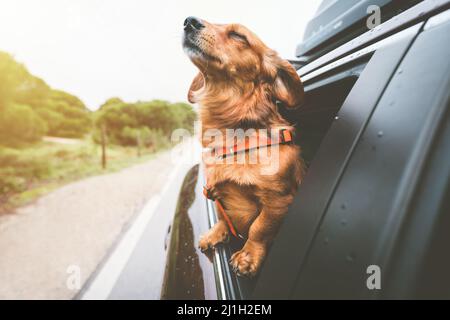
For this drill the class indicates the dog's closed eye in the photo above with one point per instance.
(237, 36)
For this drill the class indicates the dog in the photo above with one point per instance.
(239, 84)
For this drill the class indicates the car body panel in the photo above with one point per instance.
(305, 214)
(361, 220)
(189, 273)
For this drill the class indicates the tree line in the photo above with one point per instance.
(30, 109)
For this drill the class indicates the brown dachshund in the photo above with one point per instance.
(239, 82)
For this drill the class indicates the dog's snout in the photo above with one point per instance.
(193, 23)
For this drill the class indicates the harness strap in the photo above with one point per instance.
(223, 213)
(284, 136)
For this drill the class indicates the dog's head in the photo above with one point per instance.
(235, 54)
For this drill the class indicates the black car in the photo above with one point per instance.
(375, 134)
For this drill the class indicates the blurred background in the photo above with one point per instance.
(90, 92)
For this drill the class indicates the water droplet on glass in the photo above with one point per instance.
(336, 118)
(343, 222)
(380, 134)
(343, 206)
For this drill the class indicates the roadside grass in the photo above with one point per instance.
(31, 171)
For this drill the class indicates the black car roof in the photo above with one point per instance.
(335, 21)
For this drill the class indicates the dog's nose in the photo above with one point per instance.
(193, 23)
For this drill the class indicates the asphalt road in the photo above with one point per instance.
(45, 246)
(135, 266)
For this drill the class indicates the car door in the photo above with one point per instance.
(356, 205)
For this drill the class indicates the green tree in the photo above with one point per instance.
(157, 118)
(29, 108)
(20, 124)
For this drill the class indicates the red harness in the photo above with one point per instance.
(284, 136)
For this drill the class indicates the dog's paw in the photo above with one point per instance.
(212, 238)
(247, 261)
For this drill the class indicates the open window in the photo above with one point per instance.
(325, 95)
(324, 98)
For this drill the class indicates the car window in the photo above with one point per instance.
(324, 98)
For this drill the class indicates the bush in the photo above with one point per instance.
(12, 184)
(18, 169)
(154, 121)
(19, 124)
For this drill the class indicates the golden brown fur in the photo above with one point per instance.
(238, 83)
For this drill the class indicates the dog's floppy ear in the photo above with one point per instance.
(196, 85)
(287, 86)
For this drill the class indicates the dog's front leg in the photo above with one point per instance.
(212, 178)
(217, 234)
(248, 260)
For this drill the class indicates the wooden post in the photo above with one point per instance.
(103, 140)
(138, 141)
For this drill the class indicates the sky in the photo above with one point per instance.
(131, 49)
